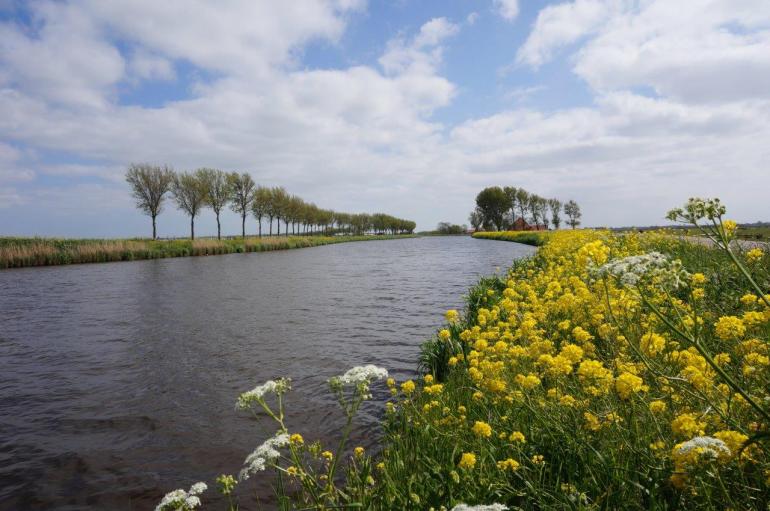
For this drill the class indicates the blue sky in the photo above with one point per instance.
(407, 107)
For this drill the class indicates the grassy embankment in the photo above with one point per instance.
(606, 372)
(535, 239)
(20, 252)
(565, 388)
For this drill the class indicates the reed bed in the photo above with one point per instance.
(22, 252)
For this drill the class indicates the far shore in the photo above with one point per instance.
(24, 252)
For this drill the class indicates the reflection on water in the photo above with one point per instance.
(118, 381)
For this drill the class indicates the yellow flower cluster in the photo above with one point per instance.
(559, 347)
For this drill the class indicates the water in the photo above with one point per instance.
(118, 381)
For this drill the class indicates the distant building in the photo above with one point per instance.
(521, 225)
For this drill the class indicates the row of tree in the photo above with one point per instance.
(498, 209)
(211, 188)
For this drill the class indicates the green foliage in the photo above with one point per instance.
(533, 238)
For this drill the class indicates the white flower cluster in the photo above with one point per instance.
(631, 270)
(707, 446)
(480, 507)
(361, 374)
(697, 209)
(180, 499)
(359, 377)
(266, 453)
(269, 387)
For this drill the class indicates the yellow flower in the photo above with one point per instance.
(467, 460)
(687, 425)
(572, 352)
(508, 464)
(292, 471)
(390, 382)
(581, 335)
(749, 299)
(628, 384)
(730, 227)
(734, 440)
(652, 343)
(657, 407)
(729, 327)
(296, 439)
(592, 422)
(754, 255)
(517, 436)
(528, 382)
(428, 379)
(698, 279)
(451, 315)
(482, 429)
(452, 361)
(434, 389)
(538, 459)
(327, 455)
(407, 387)
(358, 451)
(444, 334)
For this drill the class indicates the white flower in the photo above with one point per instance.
(480, 507)
(266, 453)
(706, 445)
(631, 270)
(359, 377)
(180, 499)
(361, 374)
(257, 393)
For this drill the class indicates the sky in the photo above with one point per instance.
(407, 107)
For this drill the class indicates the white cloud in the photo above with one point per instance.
(560, 25)
(65, 62)
(472, 18)
(694, 51)
(144, 65)
(365, 137)
(508, 9)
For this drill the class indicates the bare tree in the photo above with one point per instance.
(534, 204)
(260, 207)
(149, 186)
(280, 203)
(476, 218)
(555, 205)
(219, 192)
(242, 189)
(572, 210)
(542, 210)
(510, 193)
(522, 199)
(190, 194)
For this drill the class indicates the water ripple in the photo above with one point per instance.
(119, 379)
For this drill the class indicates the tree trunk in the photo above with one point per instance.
(243, 225)
(154, 232)
(219, 228)
(259, 220)
(192, 227)
(279, 226)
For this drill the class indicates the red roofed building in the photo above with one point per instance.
(521, 225)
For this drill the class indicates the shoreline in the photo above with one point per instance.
(30, 252)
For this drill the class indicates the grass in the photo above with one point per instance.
(536, 239)
(21, 252)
